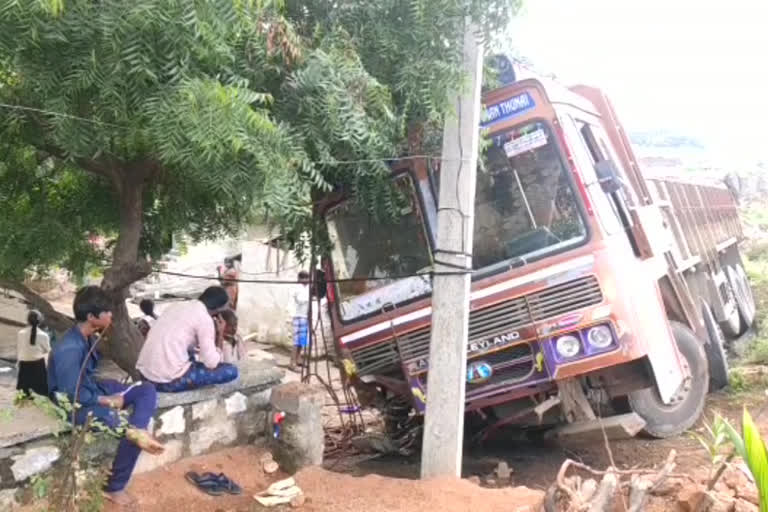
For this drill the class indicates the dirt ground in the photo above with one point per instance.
(536, 464)
(165, 489)
(355, 483)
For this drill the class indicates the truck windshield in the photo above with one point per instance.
(525, 205)
(363, 248)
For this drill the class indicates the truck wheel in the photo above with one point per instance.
(745, 301)
(731, 326)
(715, 350)
(668, 420)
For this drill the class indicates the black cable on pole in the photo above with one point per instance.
(462, 271)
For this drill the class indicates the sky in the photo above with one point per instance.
(697, 68)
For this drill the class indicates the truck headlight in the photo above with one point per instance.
(568, 346)
(600, 336)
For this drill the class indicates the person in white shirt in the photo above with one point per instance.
(32, 345)
(300, 304)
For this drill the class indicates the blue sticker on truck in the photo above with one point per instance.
(507, 109)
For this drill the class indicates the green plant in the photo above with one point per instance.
(40, 486)
(750, 446)
(756, 266)
(737, 383)
(65, 489)
(715, 440)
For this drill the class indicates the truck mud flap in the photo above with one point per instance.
(623, 426)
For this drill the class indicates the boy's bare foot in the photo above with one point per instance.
(122, 499)
(144, 440)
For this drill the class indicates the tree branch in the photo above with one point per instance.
(58, 321)
(122, 276)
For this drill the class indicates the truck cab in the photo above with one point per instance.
(589, 294)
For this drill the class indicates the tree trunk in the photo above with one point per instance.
(124, 341)
(57, 321)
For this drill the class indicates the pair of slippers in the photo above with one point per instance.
(213, 484)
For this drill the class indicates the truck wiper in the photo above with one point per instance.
(517, 262)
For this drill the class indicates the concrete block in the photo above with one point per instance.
(251, 425)
(236, 403)
(623, 426)
(27, 424)
(221, 431)
(34, 461)
(297, 398)
(259, 400)
(204, 410)
(301, 441)
(174, 450)
(172, 422)
(253, 374)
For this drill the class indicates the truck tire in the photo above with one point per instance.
(715, 350)
(664, 420)
(731, 326)
(745, 300)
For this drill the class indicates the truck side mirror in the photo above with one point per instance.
(608, 176)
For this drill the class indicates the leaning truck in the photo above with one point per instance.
(600, 295)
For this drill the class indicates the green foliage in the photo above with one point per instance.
(750, 446)
(715, 440)
(77, 481)
(47, 206)
(756, 214)
(40, 485)
(737, 381)
(220, 111)
(756, 266)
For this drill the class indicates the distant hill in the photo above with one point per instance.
(665, 139)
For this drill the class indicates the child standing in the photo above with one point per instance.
(232, 345)
(300, 305)
(32, 344)
(229, 273)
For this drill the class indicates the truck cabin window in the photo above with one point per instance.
(525, 204)
(385, 251)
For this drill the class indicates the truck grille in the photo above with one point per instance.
(512, 314)
(376, 358)
(486, 323)
(512, 365)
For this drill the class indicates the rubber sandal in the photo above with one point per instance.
(204, 478)
(207, 484)
(224, 481)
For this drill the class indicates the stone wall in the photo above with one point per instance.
(190, 423)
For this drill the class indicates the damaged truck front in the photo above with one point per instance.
(594, 288)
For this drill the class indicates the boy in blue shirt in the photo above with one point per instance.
(102, 398)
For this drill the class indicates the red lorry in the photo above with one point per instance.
(594, 287)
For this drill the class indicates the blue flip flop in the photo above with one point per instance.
(224, 481)
(207, 482)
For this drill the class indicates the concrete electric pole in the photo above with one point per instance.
(444, 422)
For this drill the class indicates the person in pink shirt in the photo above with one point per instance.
(194, 327)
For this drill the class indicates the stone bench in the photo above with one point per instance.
(189, 423)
